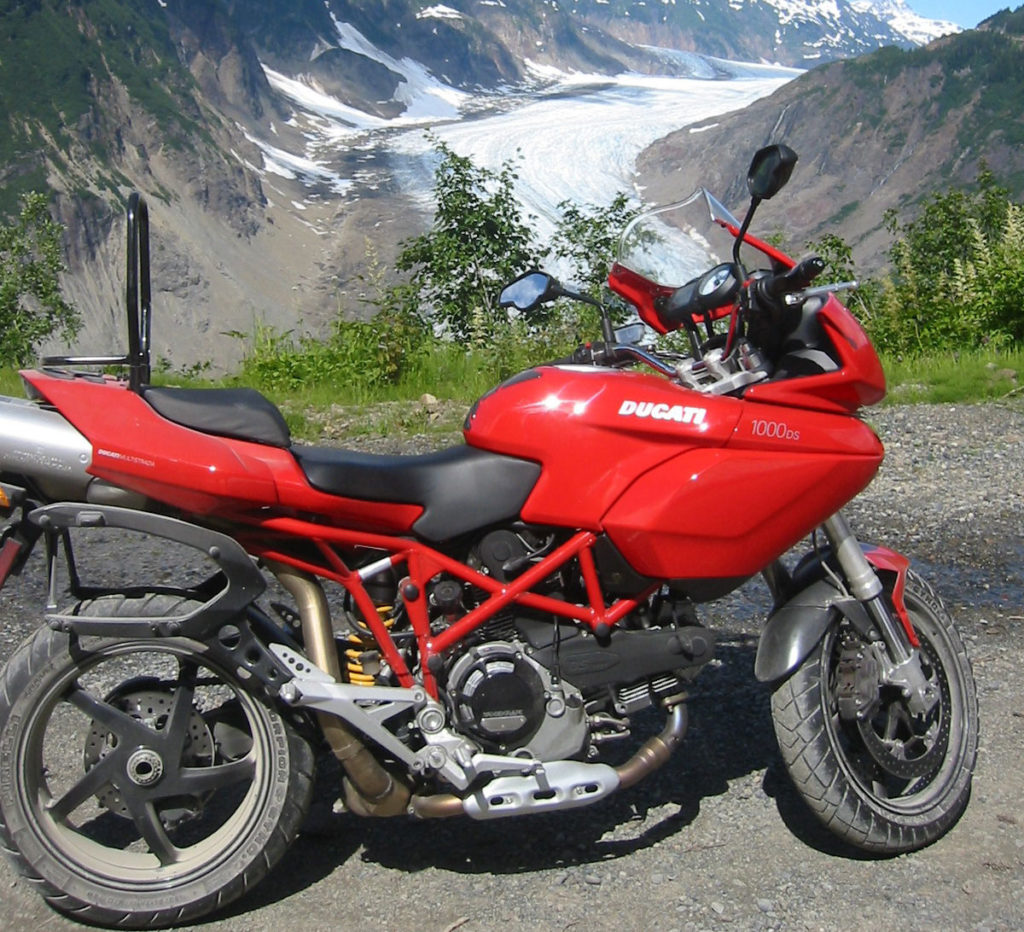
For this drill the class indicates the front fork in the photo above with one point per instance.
(901, 663)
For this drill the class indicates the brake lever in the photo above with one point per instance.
(798, 297)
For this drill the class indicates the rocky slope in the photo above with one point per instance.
(183, 101)
(874, 134)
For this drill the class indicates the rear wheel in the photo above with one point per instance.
(884, 780)
(140, 783)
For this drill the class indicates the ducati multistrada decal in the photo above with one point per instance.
(683, 414)
(127, 458)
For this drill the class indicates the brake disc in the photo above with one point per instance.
(902, 744)
(149, 703)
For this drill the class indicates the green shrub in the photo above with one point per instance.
(31, 304)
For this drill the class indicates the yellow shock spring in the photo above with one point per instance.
(362, 642)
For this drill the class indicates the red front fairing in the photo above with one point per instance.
(686, 485)
(859, 382)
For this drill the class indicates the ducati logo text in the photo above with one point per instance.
(682, 414)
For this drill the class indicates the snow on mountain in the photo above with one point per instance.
(579, 133)
(625, 111)
(917, 29)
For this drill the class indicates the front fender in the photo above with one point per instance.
(795, 628)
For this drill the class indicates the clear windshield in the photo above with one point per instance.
(673, 244)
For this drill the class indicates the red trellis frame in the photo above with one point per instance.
(422, 563)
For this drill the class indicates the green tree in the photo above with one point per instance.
(957, 274)
(943, 232)
(31, 305)
(478, 242)
(588, 236)
(990, 281)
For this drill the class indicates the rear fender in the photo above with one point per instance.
(795, 628)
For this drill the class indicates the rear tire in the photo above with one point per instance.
(141, 784)
(890, 782)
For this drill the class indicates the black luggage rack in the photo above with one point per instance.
(138, 304)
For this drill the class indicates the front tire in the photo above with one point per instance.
(141, 784)
(885, 781)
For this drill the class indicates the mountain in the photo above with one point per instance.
(225, 115)
(874, 134)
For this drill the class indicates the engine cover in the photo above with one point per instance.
(507, 702)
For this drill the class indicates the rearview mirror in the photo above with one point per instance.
(630, 334)
(529, 290)
(769, 171)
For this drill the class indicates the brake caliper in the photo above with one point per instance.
(857, 682)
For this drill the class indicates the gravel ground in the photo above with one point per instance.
(717, 838)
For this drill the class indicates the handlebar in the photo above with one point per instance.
(773, 287)
(605, 354)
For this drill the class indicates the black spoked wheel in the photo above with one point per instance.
(140, 783)
(878, 776)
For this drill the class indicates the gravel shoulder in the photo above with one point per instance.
(717, 838)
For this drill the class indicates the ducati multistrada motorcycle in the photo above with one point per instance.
(470, 632)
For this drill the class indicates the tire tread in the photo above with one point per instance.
(810, 756)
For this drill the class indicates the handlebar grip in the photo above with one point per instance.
(796, 279)
(589, 354)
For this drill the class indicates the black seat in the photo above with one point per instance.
(241, 413)
(460, 489)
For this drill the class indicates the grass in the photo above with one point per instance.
(434, 395)
(452, 376)
(10, 383)
(956, 377)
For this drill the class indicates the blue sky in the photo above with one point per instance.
(965, 13)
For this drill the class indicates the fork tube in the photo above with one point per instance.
(865, 585)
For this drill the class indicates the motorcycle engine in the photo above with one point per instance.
(508, 703)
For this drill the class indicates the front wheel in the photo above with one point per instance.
(141, 784)
(879, 777)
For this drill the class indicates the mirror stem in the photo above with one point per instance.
(738, 242)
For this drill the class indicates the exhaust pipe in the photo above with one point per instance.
(370, 790)
(654, 752)
(649, 757)
(39, 443)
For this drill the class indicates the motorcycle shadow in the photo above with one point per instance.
(729, 751)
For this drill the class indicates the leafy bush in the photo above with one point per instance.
(359, 356)
(478, 242)
(957, 280)
(31, 305)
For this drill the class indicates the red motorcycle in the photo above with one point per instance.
(500, 611)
